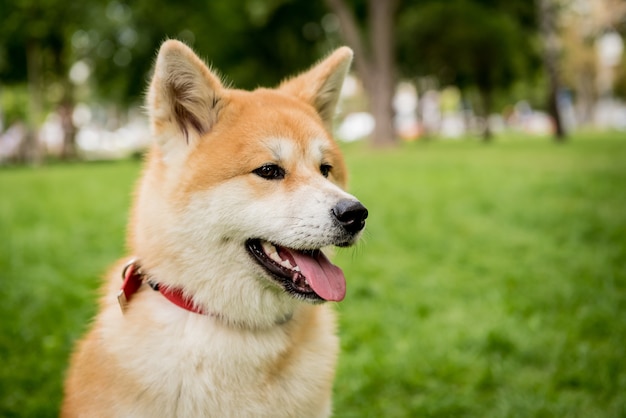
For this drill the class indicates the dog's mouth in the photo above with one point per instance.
(304, 273)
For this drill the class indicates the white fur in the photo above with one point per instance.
(192, 364)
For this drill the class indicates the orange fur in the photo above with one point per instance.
(259, 352)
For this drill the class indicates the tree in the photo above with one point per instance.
(253, 42)
(374, 59)
(35, 38)
(547, 29)
(471, 44)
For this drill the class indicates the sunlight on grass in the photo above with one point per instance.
(491, 281)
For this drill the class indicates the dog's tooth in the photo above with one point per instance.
(296, 268)
(268, 247)
(286, 264)
(271, 252)
(274, 256)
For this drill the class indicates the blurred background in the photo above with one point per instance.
(72, 76)
(486, 137)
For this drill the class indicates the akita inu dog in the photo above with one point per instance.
(221, 306)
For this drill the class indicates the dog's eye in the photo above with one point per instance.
(270, 172)
(325, 169)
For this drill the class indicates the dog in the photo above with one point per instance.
(220, 312)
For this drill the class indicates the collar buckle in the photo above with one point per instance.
(132, 277)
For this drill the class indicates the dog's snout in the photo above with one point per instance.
(351, 214)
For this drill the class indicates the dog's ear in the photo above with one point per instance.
(184, 97)
(321, 85)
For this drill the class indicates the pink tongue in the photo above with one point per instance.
(326, 279)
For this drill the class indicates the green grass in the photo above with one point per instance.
(491, 281)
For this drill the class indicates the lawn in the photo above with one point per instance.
(491, 281)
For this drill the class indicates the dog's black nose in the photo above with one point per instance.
(351, 214)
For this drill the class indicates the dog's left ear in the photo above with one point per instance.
(321, 85)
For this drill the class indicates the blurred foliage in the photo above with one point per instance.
(13, 102)
(255, 42)
(28, 24)
(258, 42)
(486, 44)
(479, 45)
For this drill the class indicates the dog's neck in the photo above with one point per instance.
(134, 277)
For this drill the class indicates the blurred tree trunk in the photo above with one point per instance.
(65, 110)
(374, 63)
(486, 103)
(30, 149)
(547, 29)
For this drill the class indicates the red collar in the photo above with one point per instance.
(133, 279)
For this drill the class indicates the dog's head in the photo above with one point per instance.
(243, 189)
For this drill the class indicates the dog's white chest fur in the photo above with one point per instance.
(188, 364)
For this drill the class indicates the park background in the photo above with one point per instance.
(487, 138)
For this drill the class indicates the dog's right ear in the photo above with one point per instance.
(184, 97)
